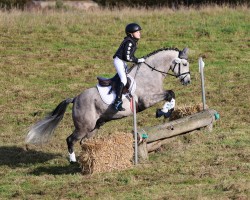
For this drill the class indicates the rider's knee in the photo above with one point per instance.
(124, 80)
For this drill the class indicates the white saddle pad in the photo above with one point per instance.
(110, 98)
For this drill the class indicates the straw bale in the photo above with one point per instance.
(185, 111)
(114, 152)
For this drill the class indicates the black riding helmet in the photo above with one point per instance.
(131, 28)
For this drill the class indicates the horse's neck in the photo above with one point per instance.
(161, 61)
(150, 82)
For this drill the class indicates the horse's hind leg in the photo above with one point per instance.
(71, 140)
(84, 116)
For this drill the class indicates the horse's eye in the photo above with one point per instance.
(184, 64)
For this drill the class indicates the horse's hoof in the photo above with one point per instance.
(73, 162)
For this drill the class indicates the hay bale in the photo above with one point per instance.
(185, 111)
(114, 152)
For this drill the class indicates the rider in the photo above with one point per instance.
(125, 53)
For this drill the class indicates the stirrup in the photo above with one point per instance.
(118, 106)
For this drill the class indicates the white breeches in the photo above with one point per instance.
(121, 68)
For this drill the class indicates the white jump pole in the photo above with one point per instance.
(201, 70)
(135, 130)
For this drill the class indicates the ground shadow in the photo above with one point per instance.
(57, 170)
(14, 156)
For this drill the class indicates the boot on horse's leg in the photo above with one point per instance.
(118, 101)
(70, 143)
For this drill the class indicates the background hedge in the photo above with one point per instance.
(168, 3)
(8, 4)
(136, 3)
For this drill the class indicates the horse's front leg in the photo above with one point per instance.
(153, 98)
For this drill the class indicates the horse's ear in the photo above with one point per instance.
(183, 53)
(185, 50)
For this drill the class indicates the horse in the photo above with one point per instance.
(89, 112)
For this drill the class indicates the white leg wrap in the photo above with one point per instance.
(72, 157)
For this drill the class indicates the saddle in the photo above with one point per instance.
(114, 83)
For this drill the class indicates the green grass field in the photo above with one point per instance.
(49, 56)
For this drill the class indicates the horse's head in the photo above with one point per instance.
(180, 67)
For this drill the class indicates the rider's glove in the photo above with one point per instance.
(141, 60)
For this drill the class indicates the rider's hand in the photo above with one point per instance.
(141, 60)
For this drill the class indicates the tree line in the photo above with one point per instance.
(169, 3)
(20, 4)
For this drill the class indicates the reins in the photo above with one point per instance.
(176, 76)
(154, 69)
(162, 72)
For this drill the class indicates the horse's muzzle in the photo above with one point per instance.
(183, 82)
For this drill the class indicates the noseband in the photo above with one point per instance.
(179, 71)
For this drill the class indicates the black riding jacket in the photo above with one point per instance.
(127, 49)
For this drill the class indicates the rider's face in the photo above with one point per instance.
(137, 34)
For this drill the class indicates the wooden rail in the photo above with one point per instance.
(159, 135)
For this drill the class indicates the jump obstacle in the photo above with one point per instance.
(158, 135)
(116, 152)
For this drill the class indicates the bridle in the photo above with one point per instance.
(165, 73)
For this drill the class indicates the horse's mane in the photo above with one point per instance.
(162, 49)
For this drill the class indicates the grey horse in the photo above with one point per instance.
(90, 112)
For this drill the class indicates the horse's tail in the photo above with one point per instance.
(43, 129)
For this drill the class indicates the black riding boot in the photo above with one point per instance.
(118, 101)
